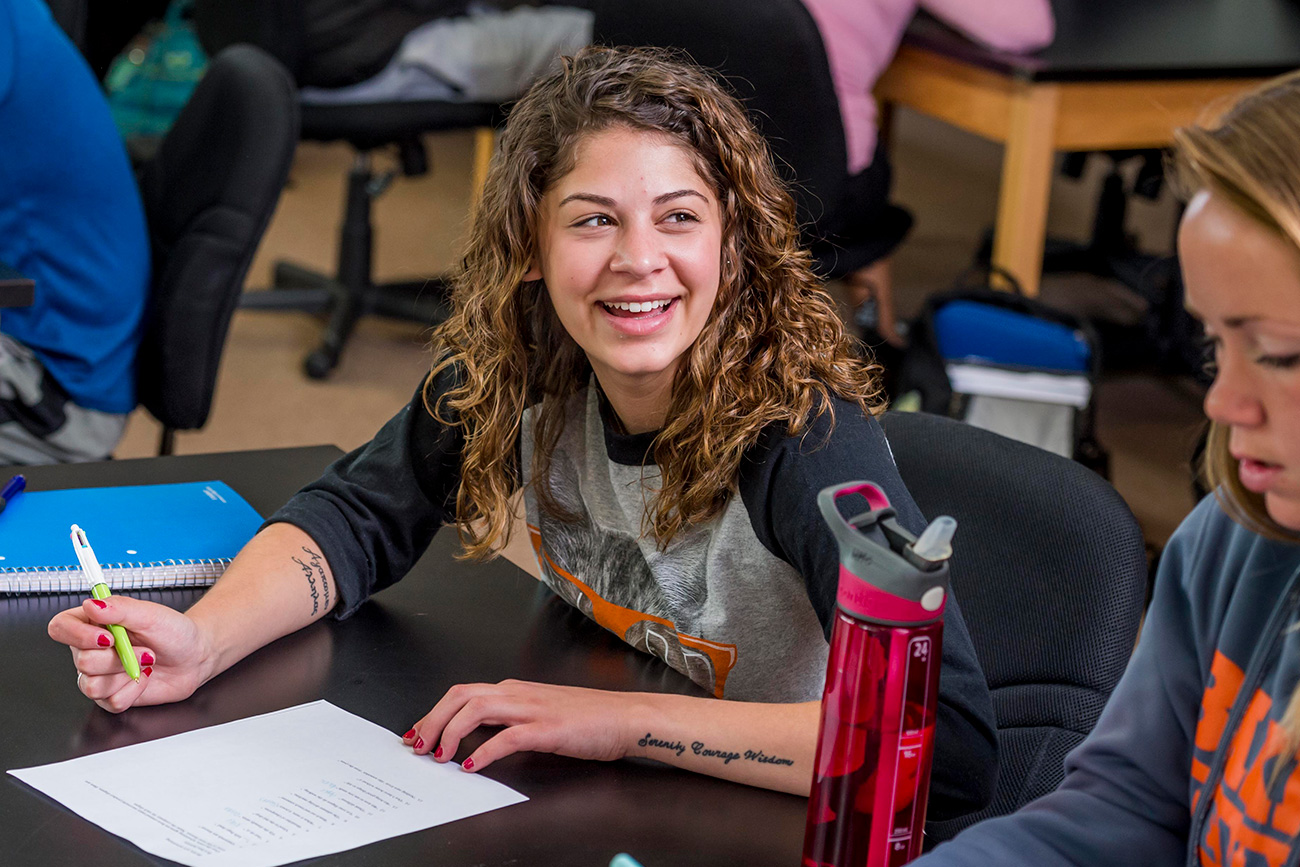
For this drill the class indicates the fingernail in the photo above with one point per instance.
(437, 754)
(146, 658)
(468, 765)
(148, 671)
(104, 640)
(100, 602)
(419, 743)
(408, 735)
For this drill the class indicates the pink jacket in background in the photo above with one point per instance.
(861, 37)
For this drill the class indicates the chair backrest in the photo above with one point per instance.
(773, 56)
(278, 27)
(208, 195)
(771, 52)
(1050, 569)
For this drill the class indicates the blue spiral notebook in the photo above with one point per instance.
(146, 536)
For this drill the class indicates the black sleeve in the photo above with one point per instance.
(779, 483)
(375, 510)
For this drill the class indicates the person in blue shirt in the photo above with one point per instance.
(71, 219)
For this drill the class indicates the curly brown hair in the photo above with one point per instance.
(773, 351)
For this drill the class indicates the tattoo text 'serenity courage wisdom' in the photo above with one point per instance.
(698, 748)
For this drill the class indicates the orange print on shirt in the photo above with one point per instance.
(1250, 822)
(1216, 702)
(631, 626)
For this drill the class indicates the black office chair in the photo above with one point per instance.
(772, 54)
(350, 293)
(1051, 573)
(208, 195)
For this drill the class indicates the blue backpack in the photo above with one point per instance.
(978, 327)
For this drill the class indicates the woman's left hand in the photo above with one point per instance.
(567, 720)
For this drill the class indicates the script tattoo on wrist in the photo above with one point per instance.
(726, 756)
(313, 570)
(651, 741)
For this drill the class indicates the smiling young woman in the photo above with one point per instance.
(639, 345)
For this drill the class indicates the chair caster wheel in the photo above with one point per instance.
(319, 364)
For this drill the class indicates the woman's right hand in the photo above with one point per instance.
(173, 653)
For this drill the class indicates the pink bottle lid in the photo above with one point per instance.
(877, 583)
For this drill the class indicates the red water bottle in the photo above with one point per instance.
(871, 777)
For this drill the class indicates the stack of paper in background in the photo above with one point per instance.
(1018, 374)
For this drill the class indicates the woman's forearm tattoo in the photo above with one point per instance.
(725, 756)
(313, 570)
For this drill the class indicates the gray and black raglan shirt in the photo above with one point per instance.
(743, 605)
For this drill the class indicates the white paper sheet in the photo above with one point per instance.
(267, 790)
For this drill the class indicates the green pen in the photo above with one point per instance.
(99, 590)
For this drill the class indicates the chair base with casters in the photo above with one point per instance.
(351, 292)
(1109, 251)
(1167, 339)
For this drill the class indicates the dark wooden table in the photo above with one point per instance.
(1120, 74)
(449, 621)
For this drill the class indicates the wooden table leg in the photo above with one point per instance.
(484, 144)
(1021, 228)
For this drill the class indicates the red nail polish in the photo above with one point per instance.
(100, 602)
(468, 765)
(148, 671)
(437, 754)
(104, 640)
(419, 743)
(408, 735)
(146, 658)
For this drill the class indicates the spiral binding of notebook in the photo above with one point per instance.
(120, 576)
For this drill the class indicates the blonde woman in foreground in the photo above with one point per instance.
(1194, 759)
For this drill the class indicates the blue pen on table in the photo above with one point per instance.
(12, 488)
(99, 590)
